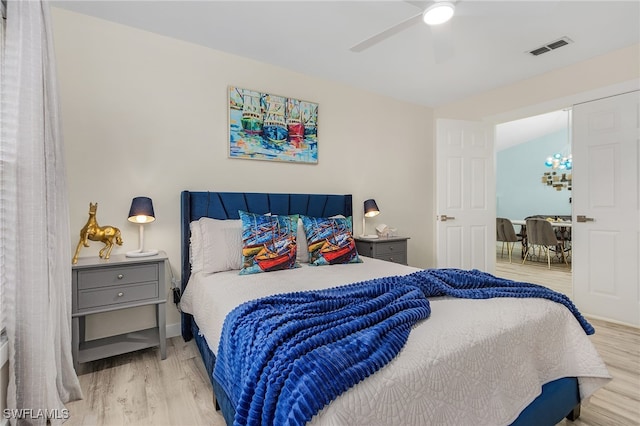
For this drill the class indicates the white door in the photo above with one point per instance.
(466, 201)
(606, 213)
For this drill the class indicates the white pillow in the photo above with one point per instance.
(195, 247)
(302, 255)
(221, 244)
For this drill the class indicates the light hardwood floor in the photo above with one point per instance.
(141, 389)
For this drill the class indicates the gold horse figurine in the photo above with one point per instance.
(91, 231)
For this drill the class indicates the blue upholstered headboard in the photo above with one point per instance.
(225, 205)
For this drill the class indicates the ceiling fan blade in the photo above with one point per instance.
(387, 33)
(420, 4)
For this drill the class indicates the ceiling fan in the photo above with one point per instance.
(437, 14)
(446, 11)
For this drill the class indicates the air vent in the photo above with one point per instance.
(540, 51)
(550, 46)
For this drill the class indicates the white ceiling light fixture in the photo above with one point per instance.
(438, 13)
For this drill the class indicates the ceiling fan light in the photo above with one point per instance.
(438, 13)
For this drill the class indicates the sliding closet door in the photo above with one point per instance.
(606, 213)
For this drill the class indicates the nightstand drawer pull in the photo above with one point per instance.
(120, 276)
(120, 294)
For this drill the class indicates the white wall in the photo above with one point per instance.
(519, 188)
(146, 115)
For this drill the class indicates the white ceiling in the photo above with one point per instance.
(485, 45)
(488, 39)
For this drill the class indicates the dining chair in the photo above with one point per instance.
(505, 233)
(563, 234)
(541, 233)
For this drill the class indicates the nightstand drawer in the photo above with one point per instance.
(103, 277)
(117, 295)
(390, 248)
(399, 257)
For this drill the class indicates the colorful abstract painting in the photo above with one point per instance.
(271, 127)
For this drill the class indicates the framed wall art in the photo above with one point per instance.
(263, 126)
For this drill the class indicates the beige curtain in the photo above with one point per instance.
(36, 265)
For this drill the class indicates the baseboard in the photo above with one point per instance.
(611, 321)
(174, 330)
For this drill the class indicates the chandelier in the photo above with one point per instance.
(560, 175)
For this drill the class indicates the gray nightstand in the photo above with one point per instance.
(120, 282)
(391, 249)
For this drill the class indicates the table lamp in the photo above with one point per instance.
(370, 210)
(141, 212)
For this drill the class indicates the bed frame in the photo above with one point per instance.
(559, 398)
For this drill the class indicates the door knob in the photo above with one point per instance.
(581, 219)
(444, 217)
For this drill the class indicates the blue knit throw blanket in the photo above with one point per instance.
(284, 357)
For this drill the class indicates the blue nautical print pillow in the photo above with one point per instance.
(330, 240)
(268, 242)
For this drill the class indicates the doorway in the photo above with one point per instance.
(523, 190)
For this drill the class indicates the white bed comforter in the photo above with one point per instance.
(472, 362)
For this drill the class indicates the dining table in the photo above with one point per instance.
(558, 223)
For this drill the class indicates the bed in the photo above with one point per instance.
(490, 361)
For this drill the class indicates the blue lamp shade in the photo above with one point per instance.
(141, 210)
(371, 208)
